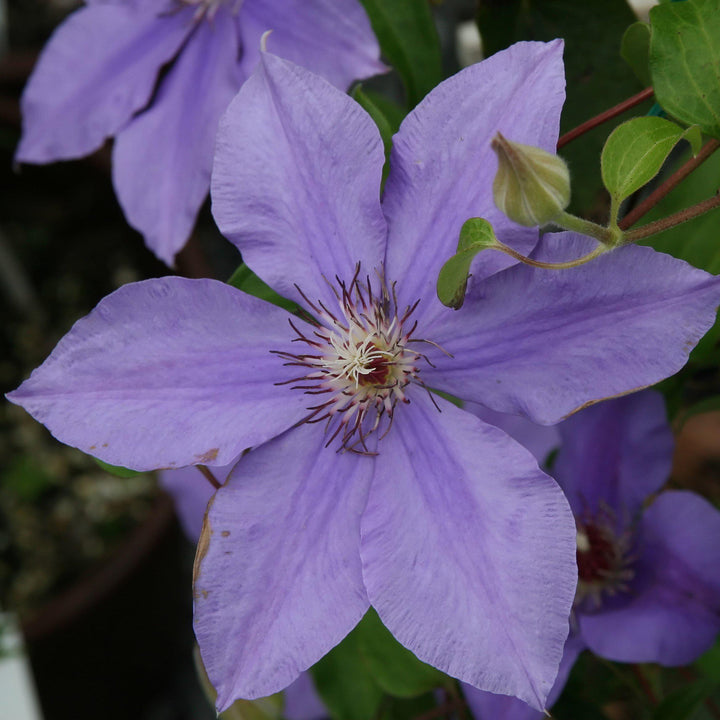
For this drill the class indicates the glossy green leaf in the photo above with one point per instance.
(409, 42)
(476, 235)
(635, 50)
(345, 684)
(681, 704)
(597, 76)
(395, 669)
(636, 151)
(116, 470)
(246, 280)
(685, 61)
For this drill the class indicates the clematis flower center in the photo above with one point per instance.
(360, 362)
(208, 8)
(604, 559)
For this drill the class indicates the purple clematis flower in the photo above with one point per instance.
(648, 586)
(363, 487)
(157, 75)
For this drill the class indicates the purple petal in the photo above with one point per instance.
(302, 701)
(332, 38)
(488, 706)
(540, 440)
(163, 158)
(468, 551)
(99, 68)
(675, 614)
(442, 166)
(615, 454)
(191, 492)
(544, 343)
(167, 373)
(296, 181)
(279, 581)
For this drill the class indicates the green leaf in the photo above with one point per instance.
(681, 704)
(685, 61)
(476, 235)
(706, 405)
(345, 683)
(246, 280)
(395, 669)
(116, 470)
(382, 121)
(409, 41)
(26, 478)
(709, 663)
(408, 708)
(597, 77)
(635, 50)
(636, 150)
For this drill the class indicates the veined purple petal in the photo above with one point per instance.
(163, 158)
(442, 165)
(674, 615)
(332, 38)
(296, 181)
(615, 454)
(544, 343)
(279, 581)
(488, 706)
(191, 492)
(540, 440)
(468, 551)
(167, 373)
(99, 68)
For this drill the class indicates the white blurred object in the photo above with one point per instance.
(642, 8)
(17, 693)
(468, 43)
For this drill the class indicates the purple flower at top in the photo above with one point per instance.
(363, 487)
(157, 75)
(648, 588)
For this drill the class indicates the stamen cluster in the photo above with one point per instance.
(604, 558)
(360, 360)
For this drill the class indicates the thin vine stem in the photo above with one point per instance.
(672, 220)
(644, 684)
(662, 190)
(599, 250)
(609, 114)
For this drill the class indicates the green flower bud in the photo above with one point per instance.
(532, 187)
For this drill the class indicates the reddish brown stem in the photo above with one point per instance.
(672, 220)
(604, 117)
(662, 190)
(644, 684)
(209, 476)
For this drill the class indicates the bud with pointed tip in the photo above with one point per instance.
(532, 186)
